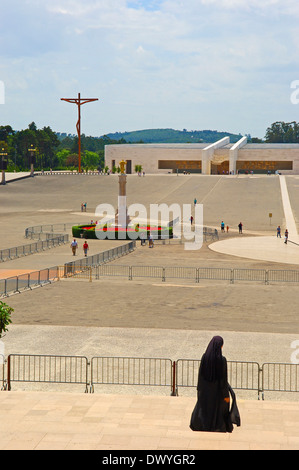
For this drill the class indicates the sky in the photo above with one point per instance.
(224, 65)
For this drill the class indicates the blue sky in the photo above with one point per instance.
(194, 64)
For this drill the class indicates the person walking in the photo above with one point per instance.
(222, 226)
(85, 248)
(278, 232)
(74, 246)
(211, 412)
(150, 241)
(240, 227)
(286, 236)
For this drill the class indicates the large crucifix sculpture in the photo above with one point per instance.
(79, 102)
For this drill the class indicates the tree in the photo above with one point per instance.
(138, 168)
(62, 157)
(47, 145)
(5, 132)
(283, 132)
(5, 317)
(23, 140)
(90, 159)
(72, 160)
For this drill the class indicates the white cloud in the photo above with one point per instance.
(150, 62)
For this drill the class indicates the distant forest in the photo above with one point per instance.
(172, 136)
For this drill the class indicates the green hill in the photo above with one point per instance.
(149, 136)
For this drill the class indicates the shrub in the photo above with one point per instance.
(88, 231)
(5, 317)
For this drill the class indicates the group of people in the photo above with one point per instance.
(222, 226)
(150, 240)
(74, 247)
(83, 206)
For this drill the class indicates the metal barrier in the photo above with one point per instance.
(241, 375)
(68, 173)
(155, 372)
(101, 258)
(141, 371)
(31, 248)
(283, 276)
(197, 274)
(280, 377)
(257, 275)
(16, 284)
(47, 369)
(49, 230)
(219, 274)
(71, 271)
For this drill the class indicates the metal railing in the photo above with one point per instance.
(31, 248)
(47, 230)
(103, 257)
(241, 375)
(280, 377)
(67, 271)
(131, 371)
(47, 369)
(68, 173)
(16, 284)
(142, 371)
(197, 274)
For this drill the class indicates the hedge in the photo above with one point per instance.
(110, 232)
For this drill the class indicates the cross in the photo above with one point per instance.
(79, 102)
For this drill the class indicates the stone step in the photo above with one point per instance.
(70, 421)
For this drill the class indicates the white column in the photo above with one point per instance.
(208, 152)
(233, 154)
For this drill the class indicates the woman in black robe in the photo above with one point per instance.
(211, 412)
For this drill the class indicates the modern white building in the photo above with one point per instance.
(221, 157)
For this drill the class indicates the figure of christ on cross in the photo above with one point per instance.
(79, 102)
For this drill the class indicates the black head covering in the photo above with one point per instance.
(211, 366)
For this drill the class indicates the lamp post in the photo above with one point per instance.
(32, 151)
(3, 154)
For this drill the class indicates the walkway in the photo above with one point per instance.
(266, 248)
(72, 421)
(9, 177)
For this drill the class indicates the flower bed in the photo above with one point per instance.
(109, 232)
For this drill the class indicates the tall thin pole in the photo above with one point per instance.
(79, 102)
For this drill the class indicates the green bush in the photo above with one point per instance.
(5, 317)
(88, 232)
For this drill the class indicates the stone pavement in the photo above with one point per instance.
(10, 176)
(72, 421)
(267, 248)
(259, 248)
(59, 420)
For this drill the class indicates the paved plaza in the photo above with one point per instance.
(151, 318)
